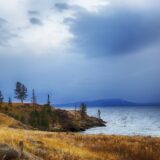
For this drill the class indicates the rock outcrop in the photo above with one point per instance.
(7, 153)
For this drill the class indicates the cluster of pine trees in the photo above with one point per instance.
(38, 118)
(21, 94)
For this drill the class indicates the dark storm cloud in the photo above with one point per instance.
(5, 34)
(62, 6)
(98, 33)
(35, 21)
(115, 32)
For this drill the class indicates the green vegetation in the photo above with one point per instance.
(40, 119)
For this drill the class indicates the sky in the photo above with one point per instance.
(79, 50)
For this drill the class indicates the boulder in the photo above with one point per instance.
(7, 153)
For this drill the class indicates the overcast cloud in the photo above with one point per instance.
(81, 49)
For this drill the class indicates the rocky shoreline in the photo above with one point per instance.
(73, 122)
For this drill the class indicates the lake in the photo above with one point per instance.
(127, 120)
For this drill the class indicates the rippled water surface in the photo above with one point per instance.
(127, 121)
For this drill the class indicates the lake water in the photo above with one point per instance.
(127, 121)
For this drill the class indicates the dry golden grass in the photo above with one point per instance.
(6, 121)
(18, 109)
(74, 146)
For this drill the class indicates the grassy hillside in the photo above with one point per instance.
(7, 121)
(74, 146)
(47, 118)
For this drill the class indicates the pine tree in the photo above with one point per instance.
(9, 101)
(20, 92)
(99, 114)
(48, 105)
(48, 100)
(1, 97)
(83, 110)
(75, 110)
(33, 98)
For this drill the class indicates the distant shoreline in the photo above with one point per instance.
(109, 103)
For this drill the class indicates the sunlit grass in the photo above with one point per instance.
(74, 146)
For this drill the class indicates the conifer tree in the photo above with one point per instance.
(83, 110)
(9, 101)
(1, 97)
(48, 100)
(33, 98)
(99, 114)
(20, 92)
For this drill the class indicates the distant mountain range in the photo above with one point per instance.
(107, 102)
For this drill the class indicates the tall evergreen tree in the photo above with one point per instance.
(75, 110)
(99, 113)
(9, 101)
(33, 98)
(48, 101)
(1, 97)
(83, 110)
(20, 92)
